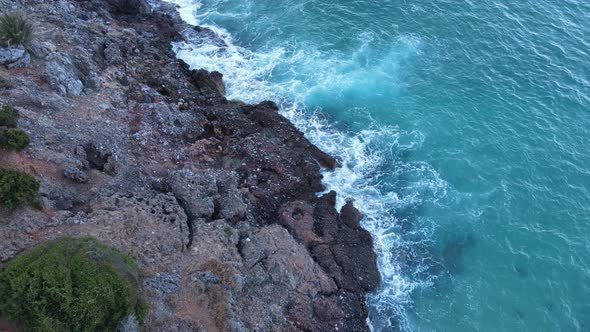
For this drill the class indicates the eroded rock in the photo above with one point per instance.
(130, 7)
(61, 75)
(14, 56)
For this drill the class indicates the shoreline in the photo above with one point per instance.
(246, 243)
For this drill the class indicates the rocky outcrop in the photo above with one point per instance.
(14, 57)
(132, 7)
(60, 73)
(215, 199)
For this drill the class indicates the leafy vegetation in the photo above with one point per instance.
(16, 188)
(13, 139)
(69, 285)
(15, 29)
(8, 116)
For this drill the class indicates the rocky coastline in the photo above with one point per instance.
(215, 199)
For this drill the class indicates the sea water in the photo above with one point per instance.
(463, 131)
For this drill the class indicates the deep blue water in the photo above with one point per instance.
(463, 130)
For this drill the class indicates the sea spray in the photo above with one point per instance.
(365, 156)
(493, 95)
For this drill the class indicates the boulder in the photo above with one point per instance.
(209, 194)
(209, 83)
(61, 75)
(14, 57)
(76, 174)
(195, 192)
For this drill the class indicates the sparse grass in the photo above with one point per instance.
(69, 285)
(17, 189)
(13, 139)
(8, 116)
(15, 29)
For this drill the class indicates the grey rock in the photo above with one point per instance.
(195, 192)
(22, 62)
(61, 75)
(112, 52)
(209, 83)
(209, 194)
(232, 207)
(163, 283)
(91, 80)
(14, 55)
(206, 277)
(75, 173)
(242, 169)
(42, 49)
(128, 324)
(131, 7)
(60, 198)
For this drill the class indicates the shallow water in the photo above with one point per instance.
(462, 126)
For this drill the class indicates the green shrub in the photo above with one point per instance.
(8, 116)
(13, 139)
(16, 189)
(68, 285)
(15, 29)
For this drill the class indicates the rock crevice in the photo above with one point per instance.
(215, 199)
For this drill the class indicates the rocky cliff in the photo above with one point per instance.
(215, 199)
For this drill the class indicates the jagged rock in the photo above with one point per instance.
(75, 173)
(204, 33)
(350, 215)
(195, 192)
(232, 207)
(150, 226)
(131, 7)
(61, 75)
(281, 274)
(60, 198)
(41, 49)
(265, 252)
(14, 57)
(206, 277)
(297, 217)
(163, 283)
(230, 203)
(22, 62)
(209, 83)
(112, 52)
(209, 194)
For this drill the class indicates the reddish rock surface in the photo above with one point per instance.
(215, 199)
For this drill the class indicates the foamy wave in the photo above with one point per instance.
(366, 156)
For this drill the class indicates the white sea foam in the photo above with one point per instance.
(364, 155)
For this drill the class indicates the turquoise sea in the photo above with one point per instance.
(463, 129)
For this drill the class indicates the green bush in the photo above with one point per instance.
(13, 139)
(16, 189)
(8, 116)
(68, 285)
(15, 29)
